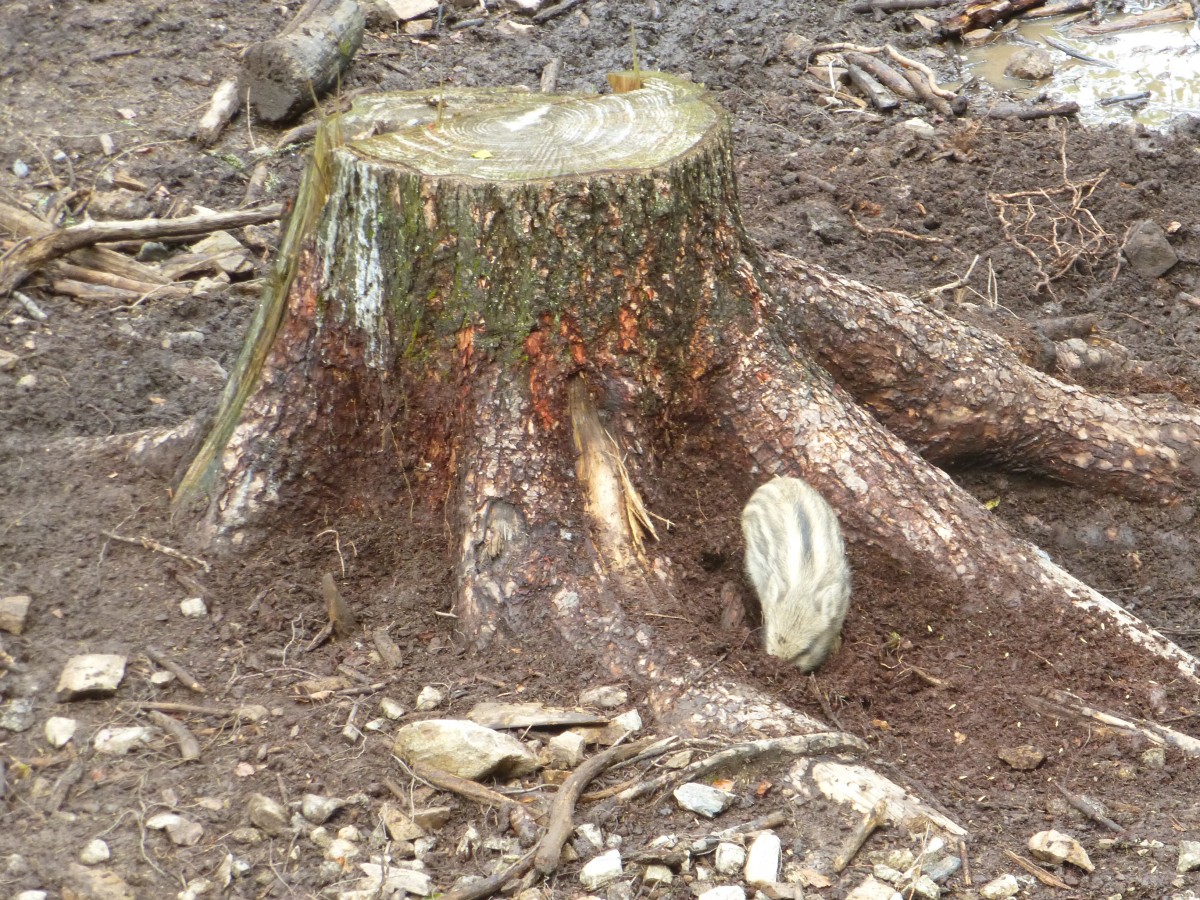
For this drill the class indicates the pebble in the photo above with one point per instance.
(96, 851)
(119, 741)
(31, 895)
(924, 887)
(601, 870)
(17, 715)
(729, 858)
(724, 892)
(339, 850)
(20, 168)
(27, 382)
(8, 360)
(268, 814)
(429, 698)
(762, 862)
(605, 697)
(182, 832)
(1000, 888)
(656, 874)
(1189, 856)
(246, 835)
(1056, 847)
(90, 675)
(15, 607)
(391, 708)
(703, 799)
(318, 809)
(870, 889)
(565, 751)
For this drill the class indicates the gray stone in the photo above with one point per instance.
(430, 698)
(1030, 64)
(17, 715)
(268, 814)
(318, 809)
(724, 892)
(565, 751)
(925, 888)
(247, 836)
(656, 874)
(95, 851)
(941, 869)
(399, 826)
(183, 832)
(703, 799)
(391, 708)
(1148, 250)
(605, 696)
(1189, 856)
(119, 741)
(870, 889)
(590, 835)
(601, 870)
(91, 675)
(1056, 847)
(464, 748)
(14, 608)
(920, 128)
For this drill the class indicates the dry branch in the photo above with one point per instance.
(221, 109)
(185, 677)
(28, 257)
(1060, 702)
(1062, 8)
(1180, 12)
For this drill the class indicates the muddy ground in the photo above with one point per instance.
(141, 72)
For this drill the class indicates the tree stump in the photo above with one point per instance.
(519, 293)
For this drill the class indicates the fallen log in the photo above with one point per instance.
(883, 73)
(1168, 15)
(284, 76)
(881, 98)
(1062, 8)
(986, 14)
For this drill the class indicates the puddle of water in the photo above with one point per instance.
(1164, 60)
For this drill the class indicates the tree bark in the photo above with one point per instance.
(517, 294)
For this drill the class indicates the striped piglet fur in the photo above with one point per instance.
(797, 563)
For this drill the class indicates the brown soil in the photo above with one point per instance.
(70, 71)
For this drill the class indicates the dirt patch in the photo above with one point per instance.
(936, 682)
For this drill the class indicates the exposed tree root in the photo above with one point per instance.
(957, 393)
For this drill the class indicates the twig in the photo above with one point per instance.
(62, 786)
(188, 708)
(954, 285)
(30, 256)
(895, 232)
(151, 544)
(552, 12)
(490, 885)
(519, 816)
(876, 818)
(189, 747)
(561, 816)
(185, 677)
(966, 863)
(1088, 809)
(762, 823)
(1037, 871)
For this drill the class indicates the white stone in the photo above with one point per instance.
(629, 722)
(15, 607)
(91, 675)
(429, 698)
(464, 748)
(565, 751)
(182, 832)
(724, 892)
(870, 889)
(394, 879)
(1189, 856)
(925, 888)
(27, 382)
(591, 835)
(601, 869)
(339, 850)
(1055, 847)
(920, 128)
(349, 833)
(95, 852)
(656, 874)
(762, 862)
(31, 895)
(391, 708)
(702, 799)
(606, 697)
(119, 741)
(268, 814)
(1000, 888)
(193, 607)
(729, 858)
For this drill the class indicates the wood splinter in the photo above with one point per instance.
(876, 818)
(185, 677)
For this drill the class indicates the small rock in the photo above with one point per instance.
(941, 869)
(17, 715)
(182, 832)
(209, 288)
(1148, 250)
(591, 835)
(119, 741)
(350, 833)
(193, 607)
(565, 751)
(340, 850)
(729, 858)
(464, 748)
(1024, 758)
(17, 866)
(318, 809)
(399, 826)
(20, 168)
(247, 836)
(1030, 64)
(606, 697)
(724, 892)
(8, 362)
(227, 251)
(920, 128)
(703, 799)
(1154, 758)
(119, 204)
(429, 698)
(887, 873)
(268, 814)
(679, 760)
(31, 895)
(96, 883)
(1055, 847)
(91, 675)
(27, 382)
(152, 251)
(1189, 856)
(14, 608)
(391, 708)
(432, 818)
(870, 889)
(797, 46)
(320, 837)
(762, 862)
(656, 874)
(601, 870)
(96, 851)
(394, 881)
(924, 887)
(1000, 888)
